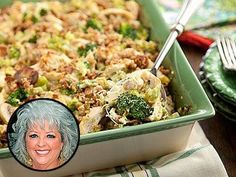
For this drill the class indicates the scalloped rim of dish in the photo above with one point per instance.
(222, 107)
(229, 97)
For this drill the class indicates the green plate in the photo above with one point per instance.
(224, 83)
(226, 109)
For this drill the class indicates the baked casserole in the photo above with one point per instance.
(75, 52)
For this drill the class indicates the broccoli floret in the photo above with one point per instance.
(83, 51)
(143, 33)
(133, 107)
(56, 43)
(17, 96)
(73, 104)
(127, 31)
(14, 53)
(24, 16)
(43, 12)
(34, 19)
(42, 80)
(33, 39)
(87, 64)
(93, 23)
(67, 91)
(2, 39)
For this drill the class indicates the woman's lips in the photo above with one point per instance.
(42, 152)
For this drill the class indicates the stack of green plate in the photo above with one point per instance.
(220, 85)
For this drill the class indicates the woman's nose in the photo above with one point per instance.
(41, 142)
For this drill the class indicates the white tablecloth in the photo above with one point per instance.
(199, 159)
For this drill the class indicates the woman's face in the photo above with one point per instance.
(44, 146)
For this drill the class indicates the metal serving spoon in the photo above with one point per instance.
(187, 10)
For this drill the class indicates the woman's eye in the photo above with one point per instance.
(51, 136)
(33, 136)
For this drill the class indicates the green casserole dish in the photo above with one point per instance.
(184, 87)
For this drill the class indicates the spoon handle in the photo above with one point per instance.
(187, 10)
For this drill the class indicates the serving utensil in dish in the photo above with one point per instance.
(188, 8)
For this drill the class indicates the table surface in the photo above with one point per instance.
(220, 131)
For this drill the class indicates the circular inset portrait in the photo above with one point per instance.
(43, 134)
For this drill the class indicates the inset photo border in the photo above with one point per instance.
(43, 134)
